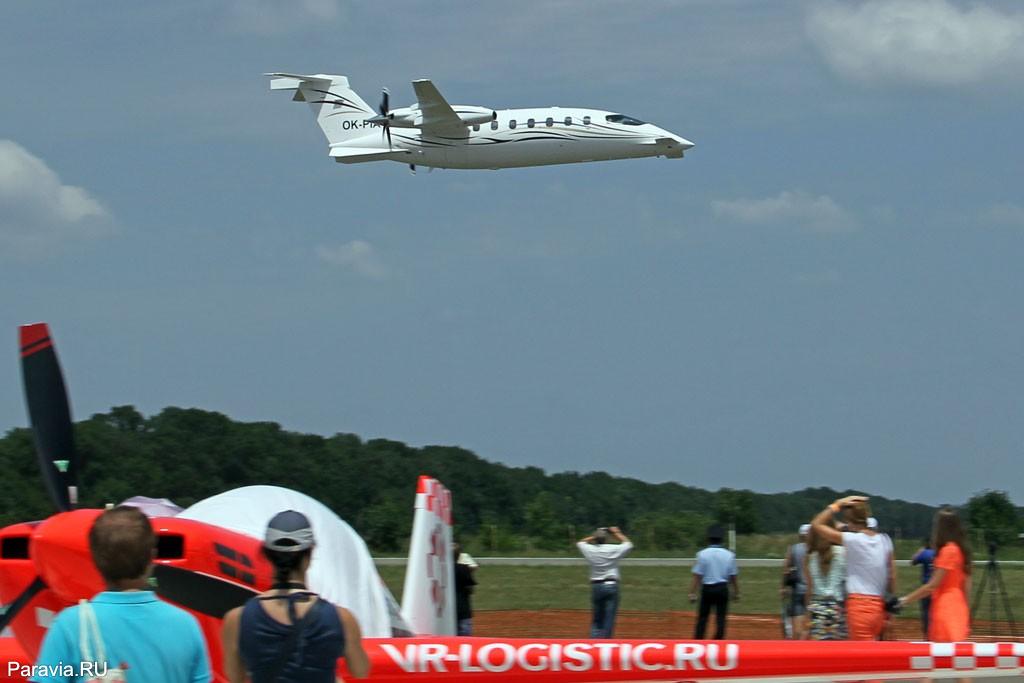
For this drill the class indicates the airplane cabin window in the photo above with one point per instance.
(550, 122)
(586, 120)
(494, 125)
(512, 123)
(529, 123)
(568, 120)
(623, 119)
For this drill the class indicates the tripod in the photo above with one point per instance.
(997, 595)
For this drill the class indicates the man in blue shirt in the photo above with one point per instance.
(143, 638)
(925, 557)
(713, 571)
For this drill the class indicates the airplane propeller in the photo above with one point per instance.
(385, 99)
(49, 415)
(19, 602)
(52, 432)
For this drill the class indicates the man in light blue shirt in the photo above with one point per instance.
(713, 571)
(149, 640)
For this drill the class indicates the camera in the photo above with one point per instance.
(892, 605)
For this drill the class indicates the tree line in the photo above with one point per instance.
(187, 454)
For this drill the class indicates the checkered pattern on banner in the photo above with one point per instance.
(970, 656)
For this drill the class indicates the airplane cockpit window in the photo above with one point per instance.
(476, 126)
(512, 123)
(623, 119)
(586, 120)
(494, 125)
(550, 122)
(568, 120)
(529, 123)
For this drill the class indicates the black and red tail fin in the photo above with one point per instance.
(49, 414)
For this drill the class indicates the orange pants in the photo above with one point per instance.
(865, 616)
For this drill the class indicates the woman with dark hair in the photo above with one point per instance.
(289, 634)
(950, 616)
(870, 570)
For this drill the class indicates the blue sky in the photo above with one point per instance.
(826, 291)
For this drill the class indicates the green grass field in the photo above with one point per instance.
(747, 545)
(654, 589)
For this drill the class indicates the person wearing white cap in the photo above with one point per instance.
(794, 582)
(289, 634)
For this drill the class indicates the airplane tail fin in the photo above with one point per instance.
(428, 597)
(339, 110)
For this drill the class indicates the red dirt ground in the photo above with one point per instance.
(658, 625)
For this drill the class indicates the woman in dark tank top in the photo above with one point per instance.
(289, 634)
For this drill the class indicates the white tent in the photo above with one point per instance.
(341, 570)
(154, 507)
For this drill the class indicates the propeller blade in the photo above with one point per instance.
(385, 100)
(49, 414)
(19, 602)
(387, 130)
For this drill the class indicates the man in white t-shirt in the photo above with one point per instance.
(870, 568)
(603, 558)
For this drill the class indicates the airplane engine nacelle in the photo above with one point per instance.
(61, 543)
(406, 117)
(475, 116)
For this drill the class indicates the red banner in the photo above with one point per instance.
(458, 659)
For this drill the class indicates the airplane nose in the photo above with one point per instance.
(684, 143)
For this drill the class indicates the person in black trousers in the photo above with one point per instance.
(713, 571)
(464, 582)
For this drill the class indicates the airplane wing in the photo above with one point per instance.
(437, 113)
(351, 155)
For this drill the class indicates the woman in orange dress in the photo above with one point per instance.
(950, 620)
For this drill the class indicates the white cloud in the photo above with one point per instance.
(930, 42)
(357, 256)
(282, 16)
(1005, 214)
(38, 211)
(799, 209)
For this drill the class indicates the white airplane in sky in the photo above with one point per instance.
(434, 133)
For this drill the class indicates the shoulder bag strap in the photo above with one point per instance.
(83, 631)
(89, 630)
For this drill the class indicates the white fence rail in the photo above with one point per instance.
(641, 562)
